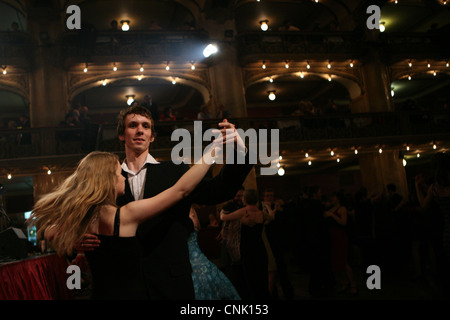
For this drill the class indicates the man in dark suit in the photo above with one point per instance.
(167, 268)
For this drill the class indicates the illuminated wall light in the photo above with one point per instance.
(272, 95)
(286, 65)
(434, 146)
(351, 64)
(125, 25)
(85, 68)
(167, 67)
(407, 148)
(329, 78)
(332, 153)
(49, 172)
(280, 158)
(356, 150)
(409, 77)
(317, 1)
(410, 63)
(281, 171)
(428, 65)
(114, 68)
(309, 163)
(264, 25)
(192, 67)
(308, 66)
(434, 73)
(271, 80)
(130, 99)
(392, 92)
(382, 27)
(302, 75)
(139, 78)
(174, 81)
(9, 176)
(329, 65)
(418, 155)
(338, 160)
(278, 165)
(404, 162)
(447, 64)
(380, 150)
(104, 83)
(4, 70)
(141, 69)
(263, 65)
(306, 155)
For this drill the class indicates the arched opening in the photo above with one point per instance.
(293, 92)
(12, 106)
(10, 15)
(105, 101)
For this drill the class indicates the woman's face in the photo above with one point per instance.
(120, 181)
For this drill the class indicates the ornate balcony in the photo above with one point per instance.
(118, 46)
(59, 145)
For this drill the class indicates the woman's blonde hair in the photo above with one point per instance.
(72, 206)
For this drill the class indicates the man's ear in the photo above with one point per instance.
(152, 139)
(121, 137)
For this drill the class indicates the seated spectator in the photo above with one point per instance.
(287, 26)
(167, 115)
(204, 113)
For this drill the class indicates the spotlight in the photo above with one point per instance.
(209, 50)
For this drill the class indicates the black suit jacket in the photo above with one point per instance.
(163, 239)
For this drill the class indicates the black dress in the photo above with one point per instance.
(254, 262)
(116, 267)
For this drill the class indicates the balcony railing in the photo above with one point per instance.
(56, 141)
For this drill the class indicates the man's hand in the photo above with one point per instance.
(88, 243)
(229, 128)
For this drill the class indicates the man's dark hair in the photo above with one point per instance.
(140, 110)
(251, 196)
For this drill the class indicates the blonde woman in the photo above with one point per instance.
(86, 203)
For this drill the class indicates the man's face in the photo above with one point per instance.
(238, 197)
(137, 134)
(269, 196)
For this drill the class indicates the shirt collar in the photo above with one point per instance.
(149, 160)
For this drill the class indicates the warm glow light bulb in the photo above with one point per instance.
(272, 96)
(281, 171)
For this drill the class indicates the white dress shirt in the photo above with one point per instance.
(137, 179)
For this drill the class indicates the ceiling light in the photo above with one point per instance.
(125, 25)
(264, 25)
(272, 95)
